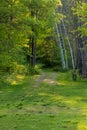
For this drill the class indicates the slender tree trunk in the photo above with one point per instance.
(64, 48)
(33, 44)
(61, 48)
(70, 47)
(33, 52)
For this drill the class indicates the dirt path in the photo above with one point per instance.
(46, 77)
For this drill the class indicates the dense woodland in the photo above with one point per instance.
(50, 32)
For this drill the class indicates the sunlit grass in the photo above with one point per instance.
(82, 126)
(49, 106)
(15, 79)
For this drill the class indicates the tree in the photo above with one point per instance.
(12, 33)
(81, 13)
(41, 19)
(22, 24)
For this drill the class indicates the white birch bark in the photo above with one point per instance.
(64, 48)
(70, 47)
(61, 49)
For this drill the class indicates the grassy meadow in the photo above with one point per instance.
(49, 101)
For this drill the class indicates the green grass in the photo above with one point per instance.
(47, 107)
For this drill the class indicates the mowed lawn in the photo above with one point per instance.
(44, 104)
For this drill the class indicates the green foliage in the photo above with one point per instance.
(34, 70)
(48, 52)
(19, 69)
(81, 11)
(57, 68)
(11, 35)
(21, 20)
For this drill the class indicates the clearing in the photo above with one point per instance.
(50, 101)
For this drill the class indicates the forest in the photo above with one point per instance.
(43, 65)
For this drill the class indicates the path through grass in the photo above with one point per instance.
(51, 101)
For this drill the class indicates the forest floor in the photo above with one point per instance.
(49, 101)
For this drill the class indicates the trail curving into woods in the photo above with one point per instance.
(46, 77)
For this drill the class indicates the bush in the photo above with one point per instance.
(34, 70)
(56, 68)
(21, 69)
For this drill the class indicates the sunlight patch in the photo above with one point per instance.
(84, 111)
(50, 81)
(43, 94)
(57, 97)
(71, 102)
(14, 82)
(15, 79)
(20, 77)
(82, 126)
(60, 83)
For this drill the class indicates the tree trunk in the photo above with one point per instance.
(33, 52)
(70, 47)
(61, 47)
(63, 44)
